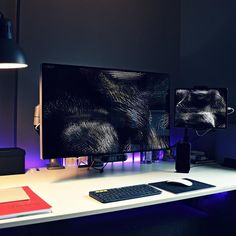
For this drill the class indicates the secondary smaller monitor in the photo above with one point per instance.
(201, 108)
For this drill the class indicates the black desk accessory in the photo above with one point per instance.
(183, 152)
(12, 161)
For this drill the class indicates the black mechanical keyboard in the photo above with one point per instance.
(124, 193)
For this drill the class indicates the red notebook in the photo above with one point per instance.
(34, 205)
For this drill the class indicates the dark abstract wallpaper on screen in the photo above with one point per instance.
(87, 111)
(201, 108)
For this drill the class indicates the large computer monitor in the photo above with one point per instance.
(201, 108)
(89, 111)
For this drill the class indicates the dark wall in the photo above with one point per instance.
(208, 45)
(143, 35)
(7, 87)
(207, 53)
(137, 35)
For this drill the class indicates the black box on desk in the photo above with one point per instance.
(182, 162)
(12, 161)
(229, 162)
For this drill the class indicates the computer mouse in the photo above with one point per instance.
(180, 182)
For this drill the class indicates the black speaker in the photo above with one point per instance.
(182, 161)
(12, 161)
(229, 162)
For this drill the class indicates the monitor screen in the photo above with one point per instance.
(201, 108)
(94, 111)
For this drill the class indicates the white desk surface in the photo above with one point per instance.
(67, 189)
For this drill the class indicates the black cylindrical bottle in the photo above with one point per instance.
(182, 161)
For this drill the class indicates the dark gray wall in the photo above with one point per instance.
(7, 108)
(7, 87)
(225, 144)
(142, 35)
(8, 8)
(207, 52)
(208, 45)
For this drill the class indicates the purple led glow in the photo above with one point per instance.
(213, 200)
(133, 157)
(161, 154)
(220, 196)
(32, 160)
(136, 157)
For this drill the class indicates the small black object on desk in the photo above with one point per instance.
(12, 161)
(183, 152)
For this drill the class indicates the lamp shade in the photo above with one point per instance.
(11, 56)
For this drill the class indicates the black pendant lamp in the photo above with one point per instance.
(11, 56)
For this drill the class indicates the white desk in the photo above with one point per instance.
(67, 190)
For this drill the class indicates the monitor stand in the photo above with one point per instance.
(54, 165)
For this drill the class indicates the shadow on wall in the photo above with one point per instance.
(225, 143)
